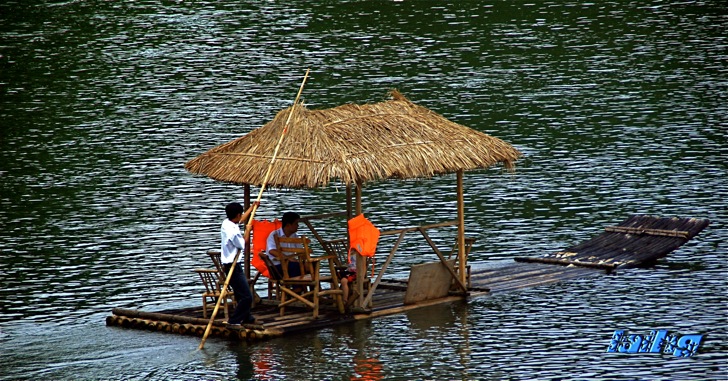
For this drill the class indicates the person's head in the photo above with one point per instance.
(290, 222)
(233, 210)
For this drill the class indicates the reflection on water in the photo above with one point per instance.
(619, 108)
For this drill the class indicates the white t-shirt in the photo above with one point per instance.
(231, 239)
(271, 244)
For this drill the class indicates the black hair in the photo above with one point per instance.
(289, 218)
(233, 209)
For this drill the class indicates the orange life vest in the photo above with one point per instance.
(260, 233)
(363, 236)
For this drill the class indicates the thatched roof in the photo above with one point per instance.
(353, 143)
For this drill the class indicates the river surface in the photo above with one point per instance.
(619, 107)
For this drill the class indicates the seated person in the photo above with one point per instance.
(347, 276)
(289, 228)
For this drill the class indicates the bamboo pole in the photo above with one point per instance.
(458, 279)
(246, 205)
(601, 266)
(655, 232)
(373, 287)
(348, 207)
(417, 228)
(361, 263)
(461, 233)
(249, 225)
(169, 318)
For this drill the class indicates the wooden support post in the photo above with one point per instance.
(457, 279)
(246, 200)
(462, 260)
(361, 263)
(357, 206)
(349, 214)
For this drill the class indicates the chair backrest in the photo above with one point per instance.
(469, 241)
(337, 248)
(273, 272)
(290, 247)
(215, 256)
(221, 275)
(209, 279)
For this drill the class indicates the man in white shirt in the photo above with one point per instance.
(289, 228)
(232, 241)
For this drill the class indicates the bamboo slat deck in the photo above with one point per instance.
(388, 300)
(636, 241)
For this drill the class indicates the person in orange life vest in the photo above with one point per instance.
(289, 228)
(232, 241)
(363, 238)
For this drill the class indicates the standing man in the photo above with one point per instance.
(232, 241)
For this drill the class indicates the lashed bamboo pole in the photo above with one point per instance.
(462, 260)
(249, 225)
(361, 263)
(458, 279)
(640, 231)
(368, 300)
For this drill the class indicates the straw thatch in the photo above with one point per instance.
(355, 144)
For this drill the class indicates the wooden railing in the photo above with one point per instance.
(307, 221)
(365, 299)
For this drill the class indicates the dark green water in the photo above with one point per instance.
(619, 107)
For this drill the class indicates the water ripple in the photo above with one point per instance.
(619, 108)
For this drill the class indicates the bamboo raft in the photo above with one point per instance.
(637, 241)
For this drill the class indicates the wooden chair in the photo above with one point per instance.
(215, 256)
(211, 280)
(340, 250)
(274, 290)
(469, 241)
(305, 288)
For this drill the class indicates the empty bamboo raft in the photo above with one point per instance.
(636, 241)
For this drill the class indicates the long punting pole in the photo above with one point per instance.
(249, 225)
(246, 205)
